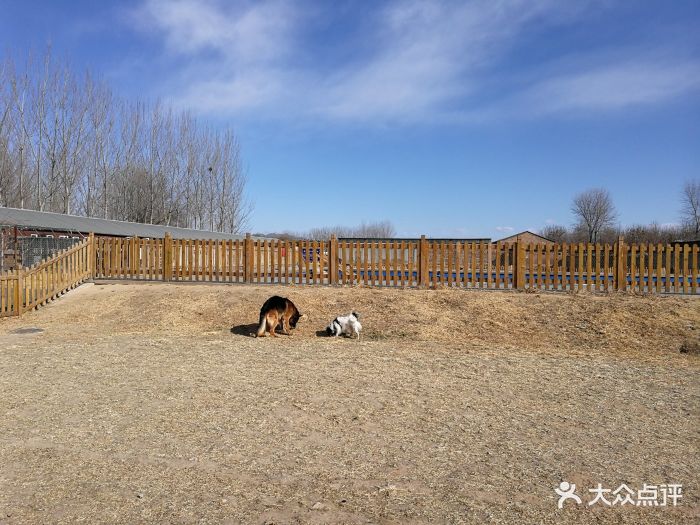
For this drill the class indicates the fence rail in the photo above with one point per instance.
(27, 288)
(647, 268)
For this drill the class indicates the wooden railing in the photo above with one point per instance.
(9, 293)
(406, 263)
(27, 288)
(647, 268)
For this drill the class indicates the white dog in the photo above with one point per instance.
(346, 325)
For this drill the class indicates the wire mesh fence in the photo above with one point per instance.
(28, 251)
(33, 250)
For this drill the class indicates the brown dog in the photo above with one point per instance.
(277, 310)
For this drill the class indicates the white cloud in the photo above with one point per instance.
(504, 229)
(419, 61)
(241, 93)
(613, 87)
(252, 33)
(232, 56)
(428, 56)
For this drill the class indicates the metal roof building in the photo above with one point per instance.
(58, 222)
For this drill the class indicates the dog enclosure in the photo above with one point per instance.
(647, 268)
(420, 262)
(405, 263)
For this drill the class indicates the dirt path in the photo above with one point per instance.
(150, 403)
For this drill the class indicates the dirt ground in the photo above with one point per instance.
(151, 403)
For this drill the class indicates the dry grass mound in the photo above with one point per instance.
(645, 326)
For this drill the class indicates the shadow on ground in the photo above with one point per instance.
(247, 330)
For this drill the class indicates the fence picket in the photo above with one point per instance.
(489, 278)
(565, 277)
(642, 267)
(315, 262)
(496, 254)
(686, 270)
(571, 266)
(349, 263)
(355, 262)
(633, 266)
(694, 263)
(676, 268)
(508, 261)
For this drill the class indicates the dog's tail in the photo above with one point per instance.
(356, 314)
(261, 325)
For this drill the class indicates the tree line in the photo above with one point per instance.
(595, 216)
(366, 230)
(68, 144)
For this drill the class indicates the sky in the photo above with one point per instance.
(450, 119)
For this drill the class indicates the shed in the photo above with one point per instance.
(526, 236)
(29, 236)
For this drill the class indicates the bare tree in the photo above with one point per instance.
(67, 144)
(555, 232)
(637, 233)
(690, 206)
(376, 230)
(100, 126)
(325, 232)
(6, 161)
(372, 230)
(20, 89)
(595, 211)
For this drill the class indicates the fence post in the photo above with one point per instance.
(513, 261)
(167, 257)
(248, 259)
(333, 260)
(423, 262)
(519, 266)
(92, 258)
(620, 265)
(135, 257)
(522, 261)
(19, 292)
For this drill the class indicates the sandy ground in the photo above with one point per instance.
(150, 403)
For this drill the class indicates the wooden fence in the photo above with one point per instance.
(648, 268)
(27, 288)
(406, 263)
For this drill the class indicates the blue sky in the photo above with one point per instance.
(448, 118)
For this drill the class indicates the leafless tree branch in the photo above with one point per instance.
(594, 210)
(67, 144)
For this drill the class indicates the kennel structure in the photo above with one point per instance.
(28, 237)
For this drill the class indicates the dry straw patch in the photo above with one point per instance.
(639, 326)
